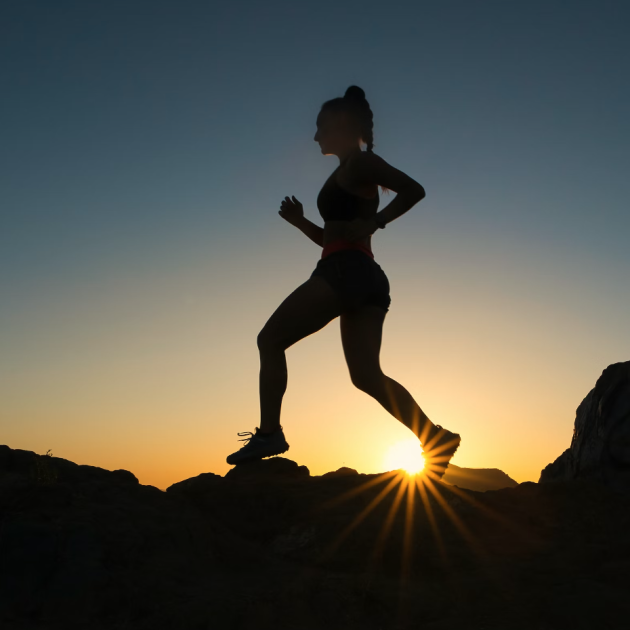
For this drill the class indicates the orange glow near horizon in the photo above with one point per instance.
(160, 381)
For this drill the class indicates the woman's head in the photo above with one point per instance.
(344, 122)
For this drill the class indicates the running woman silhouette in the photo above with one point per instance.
(346, 283)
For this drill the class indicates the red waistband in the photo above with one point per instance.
(340, 244)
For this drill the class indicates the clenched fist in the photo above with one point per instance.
(291, 210)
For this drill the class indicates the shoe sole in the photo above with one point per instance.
(254, 458)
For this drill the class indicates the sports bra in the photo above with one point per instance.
(336, 204)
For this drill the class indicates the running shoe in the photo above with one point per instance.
(439, 448)
(259, 445)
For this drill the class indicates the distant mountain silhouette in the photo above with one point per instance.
(269, 546)
(479, 479)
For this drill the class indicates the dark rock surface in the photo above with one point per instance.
(268, 469)
(341, 472)
(272, 547)
(600, 447)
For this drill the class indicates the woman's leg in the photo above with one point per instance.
(305, 311)
(361, 334)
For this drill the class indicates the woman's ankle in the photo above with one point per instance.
(427, 430)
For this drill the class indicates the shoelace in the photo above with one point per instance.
(439, 427)
(437, 439)
(247, 439)
(250, 433)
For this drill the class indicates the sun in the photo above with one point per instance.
(405, 454)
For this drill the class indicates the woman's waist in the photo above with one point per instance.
(342, 244)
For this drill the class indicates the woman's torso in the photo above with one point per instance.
(339, 202)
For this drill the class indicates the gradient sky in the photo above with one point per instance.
(147, 145)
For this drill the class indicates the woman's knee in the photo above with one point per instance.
(268, 341)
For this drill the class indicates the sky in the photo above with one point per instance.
(147, 146)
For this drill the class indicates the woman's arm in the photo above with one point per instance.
(314, 232)
(401, 203)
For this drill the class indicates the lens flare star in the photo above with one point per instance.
(405, 455)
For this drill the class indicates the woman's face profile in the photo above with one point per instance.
(333, 132)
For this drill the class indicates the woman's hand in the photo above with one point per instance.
(358, 229)
(291, 210)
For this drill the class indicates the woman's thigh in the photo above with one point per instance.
(308, 309)
(361, 335)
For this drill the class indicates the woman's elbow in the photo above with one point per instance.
(417, 193)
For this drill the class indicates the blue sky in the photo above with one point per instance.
(147, 147)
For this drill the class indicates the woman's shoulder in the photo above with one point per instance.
(363, 166)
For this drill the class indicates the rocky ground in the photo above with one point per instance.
(270, 546)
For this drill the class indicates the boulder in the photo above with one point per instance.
(195, 485)
(600, 447)
(264, 469)
(344, 471)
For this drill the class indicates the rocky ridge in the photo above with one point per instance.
(271, 546)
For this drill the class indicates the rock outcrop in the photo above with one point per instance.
(600, 447)
(269, 546)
